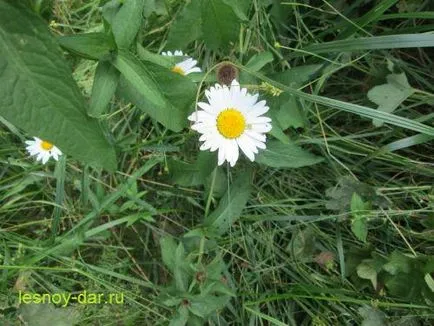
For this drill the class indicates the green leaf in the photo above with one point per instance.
(297, 76)
(359, 226)
(372, 317)
(367, 271)
(38, 93)
(240, 7)
(104, 86)
(127, 21)
(186, 174)
(187, 27)
(181, 316)
(220, 25)
(166, 96)
(46, 314)
(259, 60)
(231, 205)
(168, 249)
(370, 43)
(279, 155)
(429, 281)
(398, 263)
(93, 46)
(359, 223)
(203, 306)
(289, 113)
(389, 96)
(349, 107)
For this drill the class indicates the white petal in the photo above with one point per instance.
(246, 150)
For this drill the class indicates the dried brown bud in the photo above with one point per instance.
(226, 73)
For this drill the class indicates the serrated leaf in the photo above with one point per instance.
(231, 205)
(367, 271)
(46, 314)
(104, 86)
(187, 26)
(166, 96)
(38, 93)
(389, 96)
(220, 25)
(127, 21)
(279, 155)
(94, 46)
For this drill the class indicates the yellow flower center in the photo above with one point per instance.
(46, 145)
(231, 123)
(178, 70)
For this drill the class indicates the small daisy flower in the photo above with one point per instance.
(184, 67)
(231, 119)
(42, 149)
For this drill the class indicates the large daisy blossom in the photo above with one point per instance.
(184, 67)
(231, 119)
(42, 149)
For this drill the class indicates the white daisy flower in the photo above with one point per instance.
(232, 118)
(184, 67)
(42, 149)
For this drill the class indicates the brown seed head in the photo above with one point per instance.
(226, 73)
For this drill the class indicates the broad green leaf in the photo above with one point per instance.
(93, 46)
(279, 155)
(38, 93)
(104, 86)
(359, 226)
(180, 268)
(359, 222)
(258, 61)
(187, 26)
(372, 317)
(186, 174)
(289, 113)
(220, 25)
(367, 271)
(203, 306)
(168, 248)
(166, 96)
(46, 314)
(297, 76)
(127, 21)
(240, 7)
(398, 263)
(389, 96)
(181, 316)
(231, 205)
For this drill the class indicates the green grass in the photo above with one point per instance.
(274, 254)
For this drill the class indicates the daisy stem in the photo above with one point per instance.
(59, 173)
(211, 190)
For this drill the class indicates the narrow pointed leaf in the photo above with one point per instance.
(104, 86)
